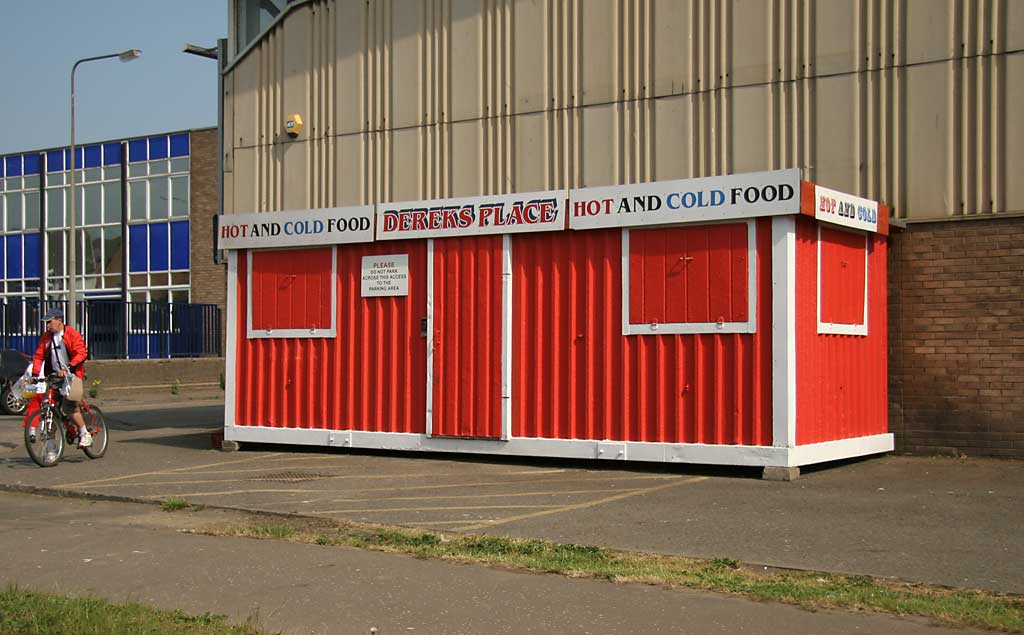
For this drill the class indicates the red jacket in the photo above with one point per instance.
(77, 351)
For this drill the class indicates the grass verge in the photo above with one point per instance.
(174, 504)
(808, 590)
(30, 613)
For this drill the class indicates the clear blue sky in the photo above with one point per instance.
(163, 90)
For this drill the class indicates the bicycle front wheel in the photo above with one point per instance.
(48, 446)
(97, 426)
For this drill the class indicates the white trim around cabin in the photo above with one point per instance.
(330, 332)
(783, 331)
(231, 341)
(697, 453)
(835, 328)
(689, 328)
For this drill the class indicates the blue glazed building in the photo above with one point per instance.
(134, 228)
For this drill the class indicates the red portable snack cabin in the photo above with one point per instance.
(735, 320)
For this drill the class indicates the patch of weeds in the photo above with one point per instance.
(222, 381)
(176, 387)
(174, 504)
(94, 388)
(271, 531)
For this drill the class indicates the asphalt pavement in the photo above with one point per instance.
(938, 520)
(125, 551)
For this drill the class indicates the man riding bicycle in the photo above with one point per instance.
(62, 351)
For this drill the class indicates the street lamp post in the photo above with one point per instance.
(124, 56)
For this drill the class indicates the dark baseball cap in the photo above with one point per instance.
(53, 313)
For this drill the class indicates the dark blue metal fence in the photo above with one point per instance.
(121, 330)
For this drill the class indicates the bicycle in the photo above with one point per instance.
(47, 449)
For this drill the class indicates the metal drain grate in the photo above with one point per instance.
(290, 477)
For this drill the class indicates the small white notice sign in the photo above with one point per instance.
(385, 276)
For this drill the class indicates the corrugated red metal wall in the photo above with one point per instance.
(688, 274)
(371, 377)
(575, 376)
(842, 382)
(467, 337)
(842, 276)
(291, 291)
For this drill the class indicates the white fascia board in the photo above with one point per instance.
(757, 456)
(841, 449)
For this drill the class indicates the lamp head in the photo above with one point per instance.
(129, 55)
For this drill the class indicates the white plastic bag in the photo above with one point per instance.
(26, 388)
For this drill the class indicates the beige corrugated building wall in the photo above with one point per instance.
(912, 102)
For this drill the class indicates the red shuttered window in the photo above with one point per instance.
(842, 281)
(292, 292)
(690, 279)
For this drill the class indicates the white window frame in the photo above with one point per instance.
(834, 328)
(687, 328)
(329, 332)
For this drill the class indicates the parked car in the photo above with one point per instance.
(12, 366)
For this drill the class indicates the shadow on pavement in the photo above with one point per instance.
(190, 441)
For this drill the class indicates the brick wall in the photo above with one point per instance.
(956, 322)
(209, 284)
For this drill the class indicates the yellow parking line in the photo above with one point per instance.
(296, 479)
(465, 496)
(382, 475)
(158, 472)
(566, 508)
(430, 509)
(431, 523)
(230, 492)
(362, 490)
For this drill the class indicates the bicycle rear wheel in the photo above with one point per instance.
(48, 447)
(97, 426)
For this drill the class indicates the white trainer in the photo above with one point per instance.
(84, 439)
(32, 434)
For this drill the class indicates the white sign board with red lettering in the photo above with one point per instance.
(686, 201)
(838, 208)
(385, 276)
(296, 229)
(472, 216)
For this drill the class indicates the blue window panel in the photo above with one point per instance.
(111, 153)
(78, 157)
(54, 160)
(158, 147)
(13, 165)
(137, 248)
(179, 145)
(32, 163)
(179, 245)
(158, 247)
(92, 156)
(2, 250)
(13, 257)
(137, 150)
(31, 255)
